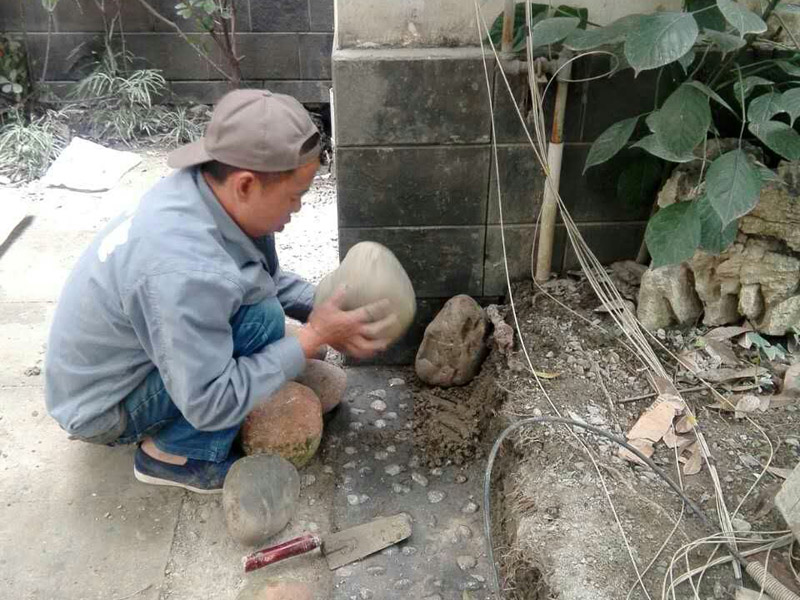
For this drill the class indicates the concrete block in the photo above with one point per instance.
(441, 261)
(506, 120)
(787, 500)
(610, 242)
(307, 92)
(204, 92)
(522, 185)
(72, 16)
(410, 96)
(167, 8)
(593, 196)
(384, 187)
(269, 55)
(62, 65)
(315, 55)
(321, 15)
(11, 16)
(171, 54)
(279, 15)
(518, 240)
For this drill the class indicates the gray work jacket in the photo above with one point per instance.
(158, 287)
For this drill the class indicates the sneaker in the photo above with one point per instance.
(200, 476)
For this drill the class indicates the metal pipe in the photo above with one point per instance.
(555, 152)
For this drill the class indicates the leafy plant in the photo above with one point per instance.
(702, 48)
(183, 125)
(14, 82)
(218, 19)
(765, 348)
(564, 20)
(27, 147)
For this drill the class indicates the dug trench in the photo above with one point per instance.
(558, 513)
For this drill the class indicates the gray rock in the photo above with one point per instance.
(378, 406)
(420, 479)
(667, 296)
(470, 508)
(791, 380)
(435, 496)
(465, 563)
(393, 470)
(259, 497)
(454, 344)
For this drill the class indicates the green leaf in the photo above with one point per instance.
(569, 11)
(778, 137)
(611, 141)
(639, 183)
(610, 34)
(790, 101)
(741, 18)
(748, 84)
(651, 144)
(764, 107)
(708, 18)
(553, 30)
(714, 238)
(682, 122)
(16, 88)
(673, 234)
(659, 39)
(724, 41)
(768, 175)
(6, 89)
(733, 186)
(788, 67)
(686, 60)
(711, 94)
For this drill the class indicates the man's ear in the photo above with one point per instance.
(244, 183)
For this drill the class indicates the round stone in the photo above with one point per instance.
(326, 380)
(289, 424)
(465, 563)
(277, 590)
(435, 497)
(259, 497)
(378, 405)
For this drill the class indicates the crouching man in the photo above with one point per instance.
(170, 329)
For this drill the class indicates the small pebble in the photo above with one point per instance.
(391, 416)
(365, 471)
(350, 450)
(309, 480)
(461, 478)
(394, 381)
(378, 406)
(420, 479)
(391, 449)
(400, 489)
(352, 499)
(464, 532)
(402, 584)
(349, 465)
(465, 563)
(409, 551)
(393, 470)
(437, 472)
(435, 496)
(381, 455)
(402, 406)
(414, 462)
(365, 594)
(380, 424)
(356, 426)
(357, 411)
(376, 570)
(470, 508)
(477, 577)
(378, 394)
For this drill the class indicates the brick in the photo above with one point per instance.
(307, 92)
(593, 196)
(519, 239)
(440, 261)
(269, 55)
(315, 55)
(279, 15)
(412, 186)
(610, 242)
(522, 185)
(321, 14)
(409, 96)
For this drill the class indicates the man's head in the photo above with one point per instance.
(259, 155)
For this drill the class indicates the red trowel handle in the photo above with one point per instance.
(268, 556)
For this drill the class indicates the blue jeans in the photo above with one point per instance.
(151, 412)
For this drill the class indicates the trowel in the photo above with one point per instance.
(339, 548)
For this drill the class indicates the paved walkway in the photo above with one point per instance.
(75, 524)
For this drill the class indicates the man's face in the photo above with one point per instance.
(265, 204)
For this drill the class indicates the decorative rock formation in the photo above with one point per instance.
(371, 272)
(327, 381)
(454, 344)
(259, 497)
(289, 424)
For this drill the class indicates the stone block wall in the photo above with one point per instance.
(286, 44)
(415, 170)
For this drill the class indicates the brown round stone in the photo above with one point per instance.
(293, 329)
(289, 424)
(259, 497)
(326, 380)
(277, 590)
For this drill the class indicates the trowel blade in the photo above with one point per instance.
(357, 542)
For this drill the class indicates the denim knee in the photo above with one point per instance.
(256, 325)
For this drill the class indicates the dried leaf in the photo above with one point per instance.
(725, 333)
(780, 401)
(747, 404)
(673, 440)
(722, 351)
(688, 358)
(664, 385)
(723, 375)
(685, 424)
(695, 461)
(642, 446)
(657, 419)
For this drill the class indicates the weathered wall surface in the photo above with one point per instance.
(286, 43)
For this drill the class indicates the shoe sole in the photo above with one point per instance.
(144, 478)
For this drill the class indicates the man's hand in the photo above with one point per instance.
(361, 333)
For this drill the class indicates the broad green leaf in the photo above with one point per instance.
(778, 137)
(650, 120)
(611, 141)
(602, 36)
(788, 67)
(714, 238)
(639, 183)
(659, 39)
(520, 29)
(741, 18)
(768, 175)
(711, 94)
(708, 18)
(6, 89)
(790, 101)
(682, 122)
(686, 60)
(733, 186)
(748, 84)
(569, 11)
(651, 144)
(16, 88)
(724, 41)
(673, 234)
(553, 30)
(764, 107)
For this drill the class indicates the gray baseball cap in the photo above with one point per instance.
(254, 130)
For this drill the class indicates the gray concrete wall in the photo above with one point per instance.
(286, 43)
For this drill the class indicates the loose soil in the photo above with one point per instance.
(555, 531)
